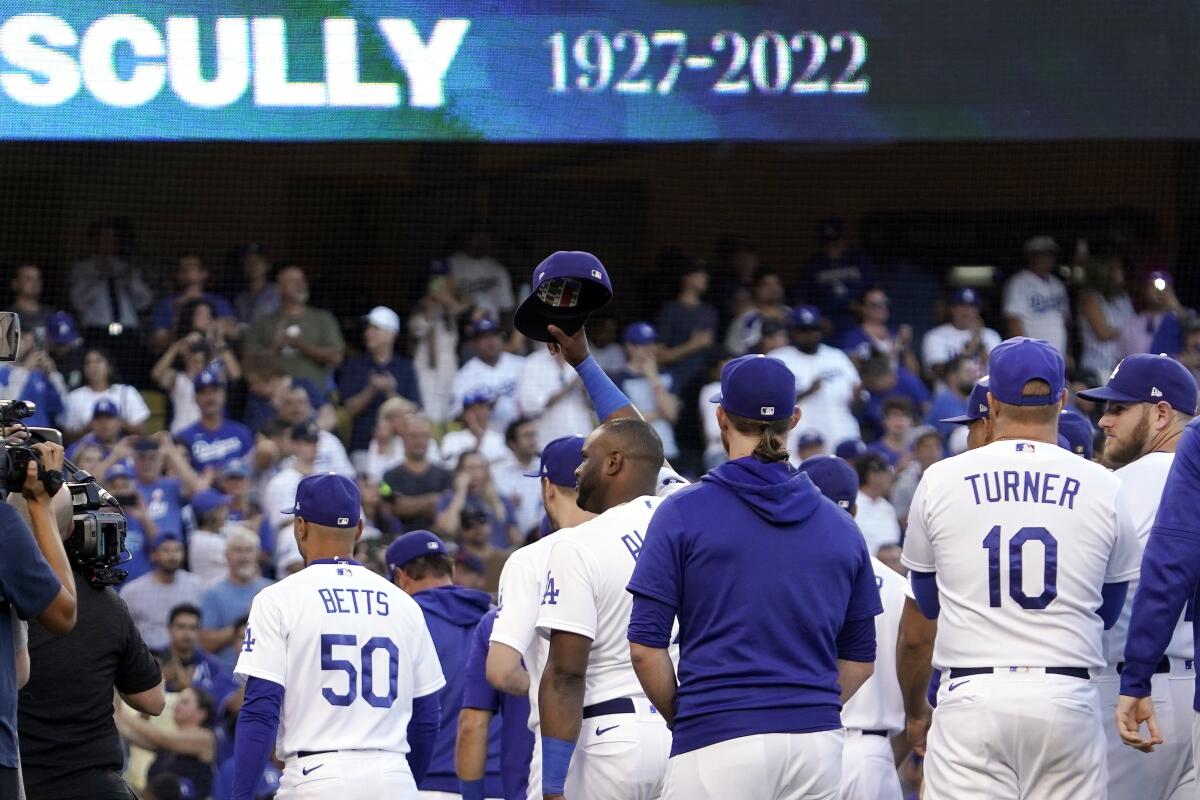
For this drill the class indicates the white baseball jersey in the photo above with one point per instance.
(500, 381)
(1022, 536)
(946, 341)
(878, 704)
(826, 411)
(1042, 306)
(350, 650)
(1137, 502)
(542, 377)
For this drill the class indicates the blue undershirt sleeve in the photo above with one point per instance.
(606, 397)
(1112, 601)
(856, 640)
(925, 592)
(257, 724)
(651, 621)
(422, 733)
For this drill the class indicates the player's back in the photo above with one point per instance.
(351, 651)
(590, 566)
(1022, 537)
(878, 704)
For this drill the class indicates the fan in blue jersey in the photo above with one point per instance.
(215, 439)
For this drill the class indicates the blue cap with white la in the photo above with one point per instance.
(806, 317)
(836, 479)
(411, 546)
(105, 408)
(560, 459)
(1019, 360)
(567, 287)
(484, 325)
(757, 387)
(810, 438)
(967, 297)
(117, 471)
(1078, 431)
(61, 328)
(977, 405)
(209, 376)
(851, 449)
(327, 499)
(640, 333)
(1148, 378)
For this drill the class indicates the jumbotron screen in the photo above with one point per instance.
(583, 70)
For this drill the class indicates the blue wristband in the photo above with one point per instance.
(471, 790)
(556, 758)
(607, 398)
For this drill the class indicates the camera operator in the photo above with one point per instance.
(35, 580)
(70, 749)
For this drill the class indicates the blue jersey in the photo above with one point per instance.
(37, 389)
(164, 504)
(139, 550)
(213, 448)
(763, 573)
(512, 727)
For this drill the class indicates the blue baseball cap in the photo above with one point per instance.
(1148, 378)
(484, 325)
(567, 287)
(476, 396)
(977, 405)
(640, 333)
(810, 438)
(806, 317)
(117, 471)
(560, 459)
(1063, 442)
(1078, 431)
(235, 468)
(208, 499)
(836, 479)
(757, 387)
(208, 377)
(61, 328)
(105, 408)
(1019, 360)
(967, 297)
(413, 545)
(327, 499)
(851, 449)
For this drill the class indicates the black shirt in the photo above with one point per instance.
(399, 481)
(65, 715)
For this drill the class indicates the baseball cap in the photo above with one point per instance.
(327, 499)
(145, 444)
(61, 329)
(1040, 244)
(208, 377)
(383, 318)
(483, 326)
(208, 499)
(560, 459)
(757, 387)
(476, 396)
(966, 297)
(810, 438)
(977, 405)
(306, 431)
(412, 545)
(1016, 361)
(640, 333)
(851, 449)
(1148, 378)
(806, 317)
(117, 471)
(1063, 442)
(105, 408)
(1078, 431)
(235, 468)
(836, 479)
(567, 287)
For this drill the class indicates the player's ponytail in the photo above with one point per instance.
(772, 436)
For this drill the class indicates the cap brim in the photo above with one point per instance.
(1107, 394)
(537, 473)
(716, 398)
(961, 419)
(533, 316)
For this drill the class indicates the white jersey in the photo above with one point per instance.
(1137, 502)
(946, 341)
(350, 650)
(542, 377)
(878, 704)
(499, 381)
(827, 410)
(1042, 306)
(1022, 535)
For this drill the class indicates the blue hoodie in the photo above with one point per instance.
(762, 572)
(451, 613)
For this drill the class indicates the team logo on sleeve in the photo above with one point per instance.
(560, 292)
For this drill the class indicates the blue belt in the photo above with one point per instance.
(618, 705)
(1071, 672)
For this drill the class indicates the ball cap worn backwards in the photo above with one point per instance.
(757, 387)
(1019, 360)
(327, 499)
(567, 287)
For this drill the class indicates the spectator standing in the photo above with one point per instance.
(190, 278)
(476, 436)
(107, 294)
(883, 379)
(185, 664)
(737, 263)
(227, 601)
(491, 370)
(687, 329)
(102, 382)
(35, 377)
(414, 486)
(139, 528)
(1104, 311)
(650, 390)
(214, 439)
(27, 301)
(897, 433)
(65, 346)
(202, 347)
(874, 334)
(433, 328)
(1158, 303)
(151, 597)
(307, 341)
(379, 374)
(482, 280)
(963, 336)
(510, 474)
(188, 751)
(206, 544)
(551, 394)
(1035, 301)
(261, 295)
(472, 490)
(162, 494)
(235, 482)
(835, 278)
(876, 517)
(745, 330)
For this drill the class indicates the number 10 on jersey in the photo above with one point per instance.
(1016, 549)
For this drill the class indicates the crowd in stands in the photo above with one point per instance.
(201, 413)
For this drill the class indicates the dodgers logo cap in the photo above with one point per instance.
(834, 477)
(966, 297)
(1078, 431)
(1019, 360)
(560, 459)
(61, 329)
(208, 377)
(208, 500)
(1148, 378)
(567, 287)
(105, 408)
(806, 318)
(640, 333)
(757, 387)
(327, 499)
(977, 405)
(413, 545)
